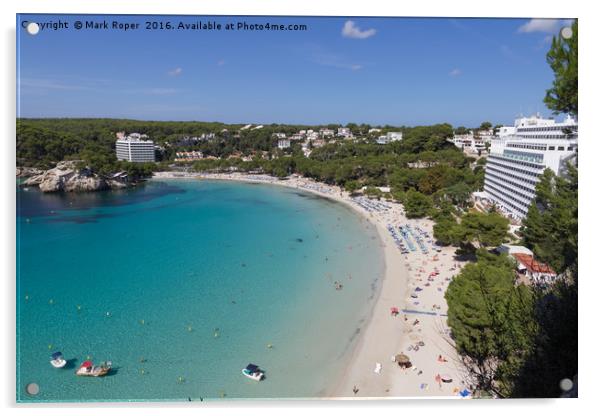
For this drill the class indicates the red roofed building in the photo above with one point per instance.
(536, 272)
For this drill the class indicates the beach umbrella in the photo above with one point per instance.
(464, 393)
(402, 358)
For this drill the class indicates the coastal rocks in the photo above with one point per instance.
(52, 183)
(54, 179)
(25, 172)
(79, 183)
(114, 184)
(66, 177)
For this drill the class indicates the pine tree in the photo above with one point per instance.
(562, 58)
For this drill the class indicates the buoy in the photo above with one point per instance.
(142, 322)
(108, 314)
(142, 371)
(189, 328)
(181, 379)
(26, 297)
(51, 301)
(79, 308)
(49, 346)
(269, 346)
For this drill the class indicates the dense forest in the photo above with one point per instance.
(424, 169)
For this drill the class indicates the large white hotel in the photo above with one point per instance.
(134, 148)
(519, 154)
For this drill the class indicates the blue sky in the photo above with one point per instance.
(399, 71)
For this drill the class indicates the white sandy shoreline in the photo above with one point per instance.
(383, 335)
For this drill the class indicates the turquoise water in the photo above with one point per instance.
(183, 283)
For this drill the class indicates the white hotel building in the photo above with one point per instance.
(520, 154)
(134, 149)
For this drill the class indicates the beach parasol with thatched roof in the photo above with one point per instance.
(403, 360)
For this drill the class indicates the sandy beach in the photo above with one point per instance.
(414, 283)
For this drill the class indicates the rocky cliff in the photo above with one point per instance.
(66, 177)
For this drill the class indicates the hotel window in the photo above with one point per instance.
(561, 148)
(551, 148)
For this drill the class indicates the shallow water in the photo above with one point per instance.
(181, 283)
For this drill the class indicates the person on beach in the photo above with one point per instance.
(355, 389)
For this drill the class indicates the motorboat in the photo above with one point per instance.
(253, 372)
(88, 369)
(57, 360)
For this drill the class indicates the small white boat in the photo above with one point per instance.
(57, 360)
(253, 372)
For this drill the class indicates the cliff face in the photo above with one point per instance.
(65, 177)
(27, 172)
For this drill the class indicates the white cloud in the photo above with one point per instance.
(543, 25)
(150, 91)
(455, 72)
(50, 84)
(175, 72)
(335, 61)
(351, 30)
(159, 91)
(324, 57)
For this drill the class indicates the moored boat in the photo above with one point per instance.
(88, 369)
(57, 360)
(253, 372)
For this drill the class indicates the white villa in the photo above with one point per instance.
(344, 132)
(392, 136)
(284, 144)
(471, 142)
(326, 133)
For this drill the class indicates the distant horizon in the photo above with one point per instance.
(373, 70)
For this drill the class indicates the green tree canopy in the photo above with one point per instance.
(461, 130)
(562, 58)
(551, 226)
(416, 204)
(488, 229)
(486, 125)
(491, 322)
